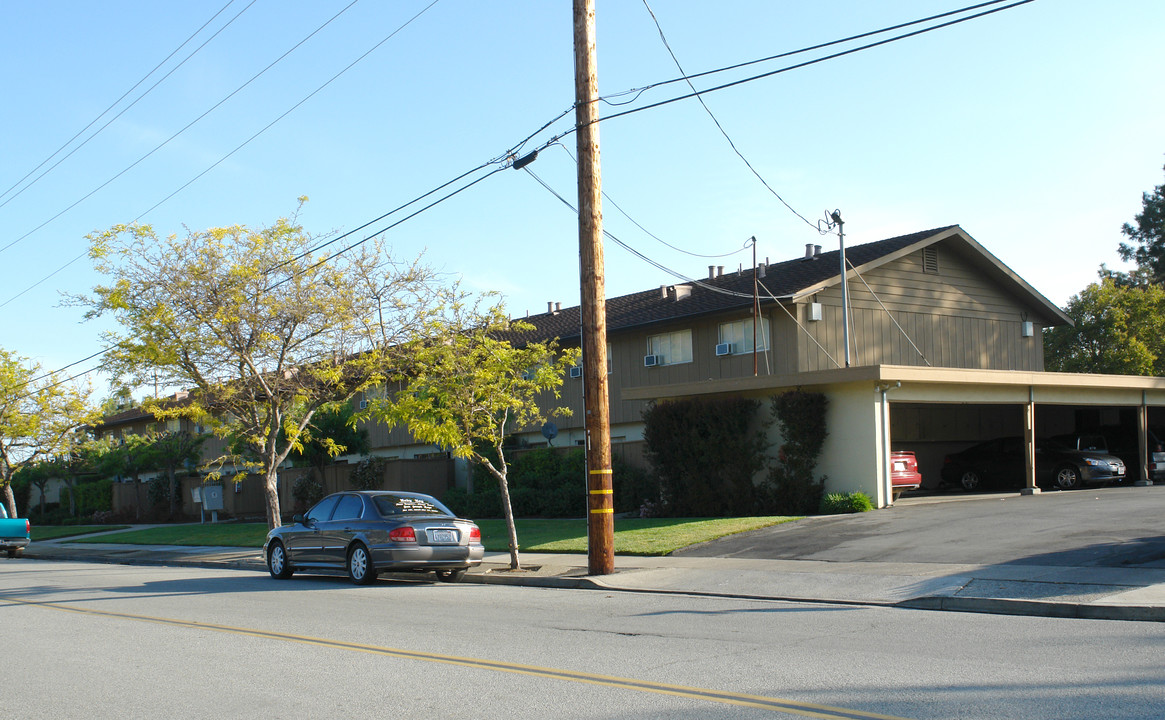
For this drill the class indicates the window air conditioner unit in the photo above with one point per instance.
(650, 360)
(723, 349)
(576, 372)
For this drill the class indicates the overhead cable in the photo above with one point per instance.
(189, 125)
(127, 107)
(720, 127)
(247, 142)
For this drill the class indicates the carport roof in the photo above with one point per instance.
(931, 384)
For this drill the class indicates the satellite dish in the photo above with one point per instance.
(549, 431)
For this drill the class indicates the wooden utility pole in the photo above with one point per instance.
(593, 306)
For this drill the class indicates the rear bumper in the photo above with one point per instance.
(386, 557)
(13, 543)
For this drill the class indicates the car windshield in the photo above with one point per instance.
(388, 505)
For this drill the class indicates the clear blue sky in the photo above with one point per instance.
(1036, 129)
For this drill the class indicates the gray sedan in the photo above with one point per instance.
(370, 532)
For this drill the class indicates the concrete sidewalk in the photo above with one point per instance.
(1052, 591)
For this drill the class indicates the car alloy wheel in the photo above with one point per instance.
(277, 562)
(970, 480)
(360, 569)
(1067, 478)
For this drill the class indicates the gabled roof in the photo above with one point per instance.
(789, 281)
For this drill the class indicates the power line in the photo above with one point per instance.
(797, 66)
(123, 97)
(720, 127)
(639, 91)
(184, 129)
(244, 144)
(815, 61)
(385, 229)
(635, 222)
(654, 263)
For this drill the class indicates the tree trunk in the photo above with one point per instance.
(173, 490)
(10, 499)
(271, 492)
(510, 527)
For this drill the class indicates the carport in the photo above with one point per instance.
(864, 400)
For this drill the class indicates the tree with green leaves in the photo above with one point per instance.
(1117, 329)
(332, 432)
(474, 382)
(261, 325)
(1148, 234)
(39, 412)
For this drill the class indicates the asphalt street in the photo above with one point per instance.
(116, 641)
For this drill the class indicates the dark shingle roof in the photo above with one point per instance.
(727, 292)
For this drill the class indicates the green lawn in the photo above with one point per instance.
(633, 536)
(52, 532)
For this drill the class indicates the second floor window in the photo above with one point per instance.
(671, 348)
(739, 335)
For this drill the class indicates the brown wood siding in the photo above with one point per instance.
(956, 318)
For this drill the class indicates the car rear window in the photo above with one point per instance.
(403, 505)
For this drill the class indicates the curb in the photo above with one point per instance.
(1037, 608)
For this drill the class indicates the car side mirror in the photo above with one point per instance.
(299, 520)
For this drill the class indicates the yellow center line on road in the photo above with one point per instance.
(756, 701)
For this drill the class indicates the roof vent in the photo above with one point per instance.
(760, 270)
(711, 272)
(683, 291)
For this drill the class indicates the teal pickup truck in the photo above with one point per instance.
(14, 533)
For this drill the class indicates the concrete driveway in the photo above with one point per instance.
(1101, 527)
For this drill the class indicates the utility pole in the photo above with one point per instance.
(593, 305)
(836, 217)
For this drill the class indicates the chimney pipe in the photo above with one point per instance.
(816, 250)
(711, 271)
(549, 306)
(557, 308)
(808, 250)
(719, 270)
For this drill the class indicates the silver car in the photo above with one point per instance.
(370, 532)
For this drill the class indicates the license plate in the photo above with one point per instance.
(443, 536)
(899, 465)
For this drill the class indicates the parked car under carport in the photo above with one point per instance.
(1000, 463)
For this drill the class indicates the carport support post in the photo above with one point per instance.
(1143, 440)
(1029, 443)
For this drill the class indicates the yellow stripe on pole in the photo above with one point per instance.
(608, 471)
(602, 511)
(602, 492)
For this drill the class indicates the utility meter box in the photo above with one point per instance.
(212, 497)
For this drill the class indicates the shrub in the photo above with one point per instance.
(368, 473)
(705, 453)
(95, 496)
(549, 483)
(840, 503)
(790, 488)
(307, 491)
